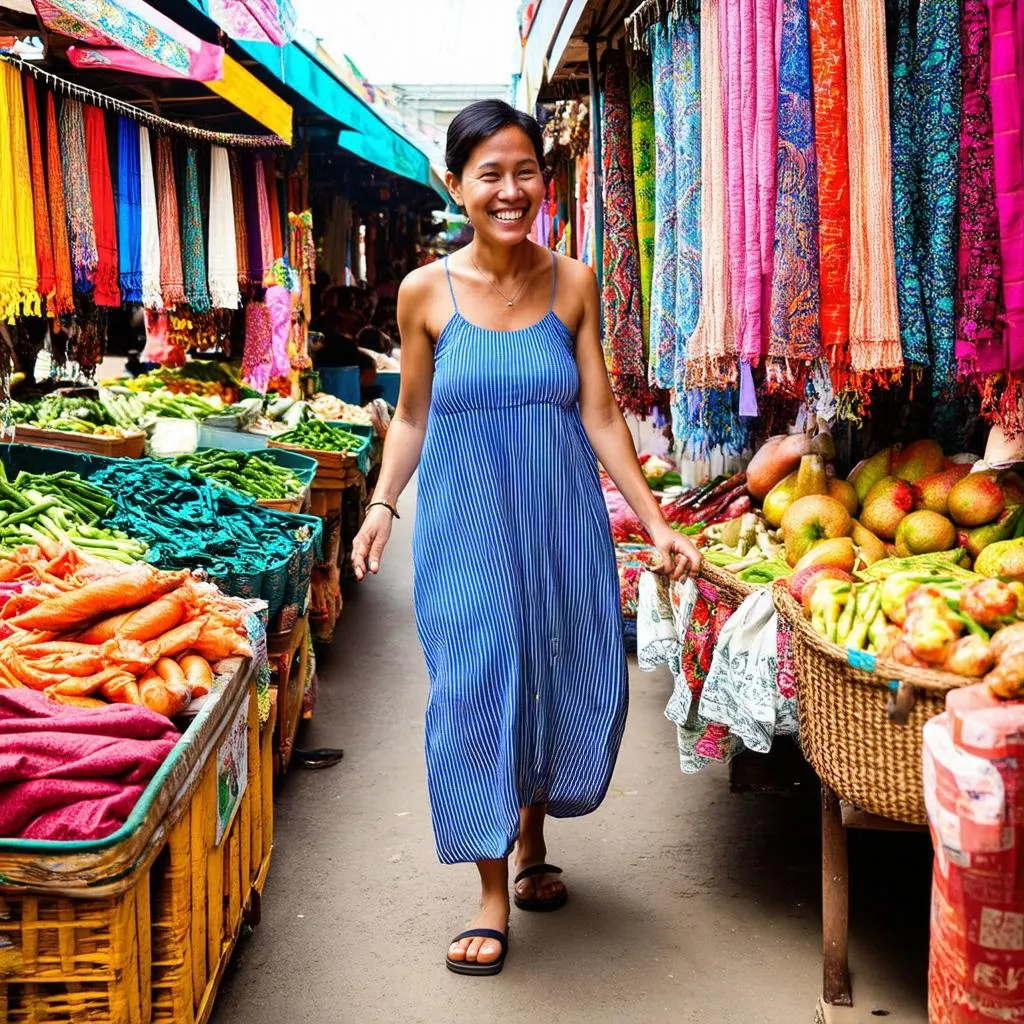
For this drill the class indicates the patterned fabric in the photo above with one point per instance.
(193, 249)
(874, 314)
(106, 290)
(63, 295)
(273, 205)
(1006, 28)
(172, 281)
(828, 70)
(713, 421)
(528, 681)
(75, 170)
(641, 112)
(46, 280)
(632, 561)
(623, 337)
(150, 227)
(794, 338)
(265, 237)
(238, 201)
(19, 270)
(256, 356)
(711, 352)
(663, 278)
(979, 293)
(129, 209)
(223, 270)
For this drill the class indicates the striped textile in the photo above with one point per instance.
(516, 591)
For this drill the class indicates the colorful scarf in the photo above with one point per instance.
(1007, 36)
(265, 235)
(46, 279)
(223, 266)
(623, 337)
(193, 249)
(874, 313)
(75, 168)
(129, 209)
(641, 112)
(711, 353)
(63, 293)
(101, 190)
(662, 346)
(828, 70)
(979, 297)
(172, 281)
(273, 203)
(795, 338)
(19, 270)
(150, 228)
(238, 205)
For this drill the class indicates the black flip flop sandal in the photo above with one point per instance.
(323, 757)
(471, 966)
(535, 903)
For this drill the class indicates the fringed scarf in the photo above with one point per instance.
(795, 340)
(238, 204)
(129, 209)
(75, 167)
(19, 270)
(623, 337)
(63, 292)
(641, 112)
(223, 269)
(828, 70)
(979, 292)
(711, 354)
(874, 315)
(172, 281)
(150, 231)
(274, 205)
(193, 255)
(46, 276)
(107, 291)
(265, 235)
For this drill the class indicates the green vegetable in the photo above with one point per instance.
(320, 436)
(243, 471)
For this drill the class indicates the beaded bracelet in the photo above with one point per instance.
(391, 508)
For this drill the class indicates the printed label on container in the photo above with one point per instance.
(232, 769)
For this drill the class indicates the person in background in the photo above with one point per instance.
(350, 319)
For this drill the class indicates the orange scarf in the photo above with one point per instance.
(63, 293)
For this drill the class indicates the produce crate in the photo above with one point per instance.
(862, 718)
(301, 465)
(131, 446)
(335, 468)
(139, 926)
(233, 440)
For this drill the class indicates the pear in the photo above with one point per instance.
(1002, 529)
(868, 472)
(917, 460)
(932, 492)
(779, 498)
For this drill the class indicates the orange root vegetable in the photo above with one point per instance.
(105, 629)
(28, 639)
(155, 619)
(78, 702)
(166, 699)
(25, 672)
(217, 641)
(8, 680)
(170, 672)
(88, 685)
(198, 674)
(51, 648)
(71, 664)
(27, 601)
(123, 690)
(116, 593)
(130, 655)
(178, 640)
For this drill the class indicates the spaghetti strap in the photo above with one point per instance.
(451, 287)
(554, 280)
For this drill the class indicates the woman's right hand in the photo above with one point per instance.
(370, 541)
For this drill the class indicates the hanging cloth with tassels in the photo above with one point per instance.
(129, 209)
(75, 170)
(63, 292)
(46, 281)
(193, 255)
(107, 291)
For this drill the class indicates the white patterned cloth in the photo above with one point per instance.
(151, 295)
(222, 274)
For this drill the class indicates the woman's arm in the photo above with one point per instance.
(404, 442)
(610, 437)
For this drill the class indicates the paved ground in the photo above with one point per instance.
(689, 904)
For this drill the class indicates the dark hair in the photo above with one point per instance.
(478, 122)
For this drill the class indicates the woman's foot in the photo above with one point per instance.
(493, 915)
(531, 850)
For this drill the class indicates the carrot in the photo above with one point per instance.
(71, 664)
(105, 629)
(198, 674)
(123, 690)
(77, 702)
(88, 685)
(159, 696)
(26, 673)
(155, 619)
(170, 672)
(116, 593)
(218, 641)
(55, 647)
(8, 680)
(178, 640)
(130, 655)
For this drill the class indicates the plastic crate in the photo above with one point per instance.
(389, 381)
(233, 440)
(341, 381)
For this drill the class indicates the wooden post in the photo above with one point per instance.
(835, 902)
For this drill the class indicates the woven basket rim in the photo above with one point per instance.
(885, 671)
(725, 581)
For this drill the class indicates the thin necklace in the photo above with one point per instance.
(508, 301)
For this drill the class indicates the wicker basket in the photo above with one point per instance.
(861, 727)
(732, 591)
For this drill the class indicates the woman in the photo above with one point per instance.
(505, 401)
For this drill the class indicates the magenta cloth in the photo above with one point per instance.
(74, 774)
(1006, 27)
(749, 46)
(279, 305)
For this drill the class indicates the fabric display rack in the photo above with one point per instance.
(803, 225)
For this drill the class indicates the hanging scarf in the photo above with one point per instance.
(253, 221)
(641, 112)
(711, 353)
(828, 71)
(63, 293)
(273, 202)
(150, 228)
(795, 338)
(623, 337)
(874, 314)
(172, 281)
(101, 191)
(662, 346)
(46, 275)
(193, 249)
(1007, 36)
(265, 235)
(19, 270)
(129, 209)
(979, 326)
(223, 273)
(238, 206)
(75, 167)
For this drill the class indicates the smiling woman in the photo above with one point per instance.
(516, 591)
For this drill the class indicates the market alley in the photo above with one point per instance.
(688, 903)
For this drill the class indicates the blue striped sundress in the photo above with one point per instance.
(516, 590)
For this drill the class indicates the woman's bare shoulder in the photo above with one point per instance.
(576, 286)
(420, 283)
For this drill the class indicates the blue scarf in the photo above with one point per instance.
(129, 210)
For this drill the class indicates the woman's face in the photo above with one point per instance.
(501, 187)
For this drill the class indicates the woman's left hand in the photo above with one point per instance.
(680, 558)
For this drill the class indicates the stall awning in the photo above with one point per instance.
(246, 92)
